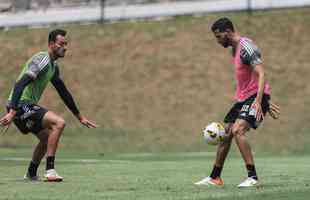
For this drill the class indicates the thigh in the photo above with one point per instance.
(228, 132)
(228, 127)
(248, 114)
(233, 114)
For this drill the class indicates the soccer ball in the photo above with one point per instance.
(214, 133)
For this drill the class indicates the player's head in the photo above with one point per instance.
(57, 42)
(223, 29)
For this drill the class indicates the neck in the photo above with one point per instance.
(52, 56)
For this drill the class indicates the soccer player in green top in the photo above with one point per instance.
(23, 110)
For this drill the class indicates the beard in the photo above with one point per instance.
(226, 42)
(60, 52)
(225, 45)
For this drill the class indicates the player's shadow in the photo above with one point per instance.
(21, 180)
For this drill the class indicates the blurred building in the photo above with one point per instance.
(5, 5)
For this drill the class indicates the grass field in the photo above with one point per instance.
(153, 176)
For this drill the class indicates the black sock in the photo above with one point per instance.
(32, 169)
(251, 171)
(50, 162)
(216, 172)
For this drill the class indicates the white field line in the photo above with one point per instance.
(85, 161)
(129, 155)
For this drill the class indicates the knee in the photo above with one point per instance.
(238, 131)
(228, 129)
(60, 124)
(228, 134)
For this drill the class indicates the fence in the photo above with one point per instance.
(100, 10)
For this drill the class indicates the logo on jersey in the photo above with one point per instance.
(245, 108)
(29, 124)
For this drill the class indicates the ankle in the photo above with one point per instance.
(251, 171)
(50, 162)
(216, 172)
(32, 169)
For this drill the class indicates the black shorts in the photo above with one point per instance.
(242, 110)
(29, 118)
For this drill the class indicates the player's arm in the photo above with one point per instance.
(68, 99)
(251, 56)
(64, 93)
(259, 70)
(18, 90)
(17, 93)
(274, 109)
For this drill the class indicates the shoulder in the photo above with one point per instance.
(41, 59)
(249, 53)
(248, 47)
(37, 63)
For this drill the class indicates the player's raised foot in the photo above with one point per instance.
(249, 182)
(27, 177)
(210, 181)
(52, 176)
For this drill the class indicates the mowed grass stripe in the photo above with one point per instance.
(112, 178)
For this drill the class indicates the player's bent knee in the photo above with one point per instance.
(229, 133)
(238, 131)
(59, 124)
(228, 130)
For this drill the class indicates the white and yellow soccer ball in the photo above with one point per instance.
(214, 133)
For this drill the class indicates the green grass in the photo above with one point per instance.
(148, 176)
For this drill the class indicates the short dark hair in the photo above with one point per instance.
(54, 33)
(222, 25)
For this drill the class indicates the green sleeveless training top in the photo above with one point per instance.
(41, 69)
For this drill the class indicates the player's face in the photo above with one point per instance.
(222, 38)
(60, 46)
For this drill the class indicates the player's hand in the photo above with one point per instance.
(7, 119)
(274, 110)
(87, 123)
(258, 110)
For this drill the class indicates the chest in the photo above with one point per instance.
(46, 74)
(240, 68)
